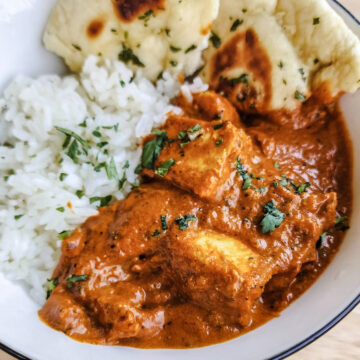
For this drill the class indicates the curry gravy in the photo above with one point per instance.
(149, 283)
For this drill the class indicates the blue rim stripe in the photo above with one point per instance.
(347, 11)
(318, 333)
(354, 303)
(303, 343)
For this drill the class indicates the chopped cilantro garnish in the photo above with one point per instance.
(98, 167)
(64, 234)
(173, 63)
(302, 188)
(75, 278)
(182, 135)
(299, 96)
(174, 48)
(146, 15)
(60, 209)
(85, 145)
(79, 193)
(281, 65)
(320, 242)
(63, 176)
(104, 201)
(272, 219)
(194, 129)
(218, 126)
(111, 170)
(156, 233)
(102, 144)
(152, 149)
(190, 48)
(17, 217)
(97, 133)
(164, 225)
(163, 169)
(73, 150)
(316, 21)
(51, 285)
(83, 124)
(219, 142)
(122, 181)
(126, 165)
(247, 183)
(215, 40)
(236, 24)
(127, 55)
(244, 174)
(340, 220)
(76, 47)
(183, 221)
(122, 83)
(243, 78)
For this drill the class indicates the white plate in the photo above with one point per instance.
(325, 303)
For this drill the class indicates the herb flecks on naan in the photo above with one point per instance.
(275, 55)
(149, 35)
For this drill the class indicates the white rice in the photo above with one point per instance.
(32, 150)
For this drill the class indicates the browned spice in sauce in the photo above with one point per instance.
(129, 10)
(95, 28)
(184, 260)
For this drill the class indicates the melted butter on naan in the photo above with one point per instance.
(272, 55)
(150, 35)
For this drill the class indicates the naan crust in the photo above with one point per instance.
(168, 35)
(302, 48)
(323, 41)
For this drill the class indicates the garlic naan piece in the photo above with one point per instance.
(273, 55)
(151, 35)
(248, 69)
(324, 42)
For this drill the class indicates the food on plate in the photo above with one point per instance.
(273, 57)
(179, 214)
(218, 238)
(149, 35)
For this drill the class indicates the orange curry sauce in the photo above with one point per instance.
(142, 274)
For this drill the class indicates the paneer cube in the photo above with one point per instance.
(215, 270)
(204, 155)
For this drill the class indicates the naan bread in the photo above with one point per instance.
(273, 55)
(254, 76)
(150, 35)
(323, 42)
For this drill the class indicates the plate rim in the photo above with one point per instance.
(300, 345)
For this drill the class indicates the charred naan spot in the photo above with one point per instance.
(129, 10)
(205, 30)
(252, 89)
(95, 28)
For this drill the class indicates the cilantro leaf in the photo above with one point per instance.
(104, 201)
(215, 40)
(75, 278)
(183, 221)
(127, 55)
(64, 234)
(152, 149)
(272, 219)
(51, 285)
(163, 169)
(164, 224)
